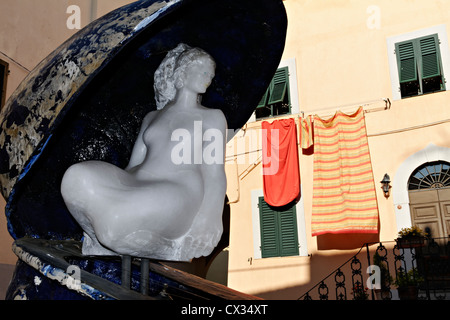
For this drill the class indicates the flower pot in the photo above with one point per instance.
(410, 242)
(408, 293)
(381, 294)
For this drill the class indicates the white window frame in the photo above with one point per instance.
(393, 66)
(301, 226)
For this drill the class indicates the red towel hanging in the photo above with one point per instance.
(281, 176)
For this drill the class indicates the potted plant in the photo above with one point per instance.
(408, 284)
(411, 237)
(359, 292)
(384, 293)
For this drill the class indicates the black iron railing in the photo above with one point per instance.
(104, 278)
(384, 271)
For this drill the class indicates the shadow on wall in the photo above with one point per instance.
(6, 273)
(345, 241)
(7, 257)
(320, 266)
(6, 254)
(218, 271)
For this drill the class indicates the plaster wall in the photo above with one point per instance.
(343, 58)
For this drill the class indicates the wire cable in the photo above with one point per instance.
(15, 62)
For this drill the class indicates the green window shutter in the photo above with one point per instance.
(288, 234)
(429, 50)
(407, 63)
(279, 237)
(278, 86)
(263, 101)
(269, 230)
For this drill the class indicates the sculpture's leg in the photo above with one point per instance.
(91, 247)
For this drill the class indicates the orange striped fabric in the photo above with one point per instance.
(344, 199)
(306, 137)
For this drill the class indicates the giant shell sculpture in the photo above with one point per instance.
(86, 100)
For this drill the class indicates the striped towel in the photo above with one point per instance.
(344, 199)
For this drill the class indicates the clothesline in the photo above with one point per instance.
(15, 62)
(303, 113)
(299, 142)
(300, 116)
(363, 104)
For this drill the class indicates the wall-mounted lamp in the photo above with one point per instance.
(385, 185)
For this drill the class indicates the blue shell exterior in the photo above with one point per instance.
(23, 286)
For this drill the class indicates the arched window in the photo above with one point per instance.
(431, 175)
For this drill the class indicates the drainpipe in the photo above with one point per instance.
(93, 10)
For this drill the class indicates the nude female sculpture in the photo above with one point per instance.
(158, 207)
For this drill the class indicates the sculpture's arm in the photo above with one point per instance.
(140, 149)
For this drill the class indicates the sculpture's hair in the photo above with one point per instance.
(168, 75)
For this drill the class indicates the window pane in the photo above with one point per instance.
(432, 175)
(432, 85)
(263, 112)
(410, 89)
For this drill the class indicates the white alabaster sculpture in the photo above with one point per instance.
(167, 203)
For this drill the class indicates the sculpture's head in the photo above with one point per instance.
(182, 66)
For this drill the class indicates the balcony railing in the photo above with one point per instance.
(378, 271)
(61, 271)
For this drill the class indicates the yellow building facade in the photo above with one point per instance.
(342, 55)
